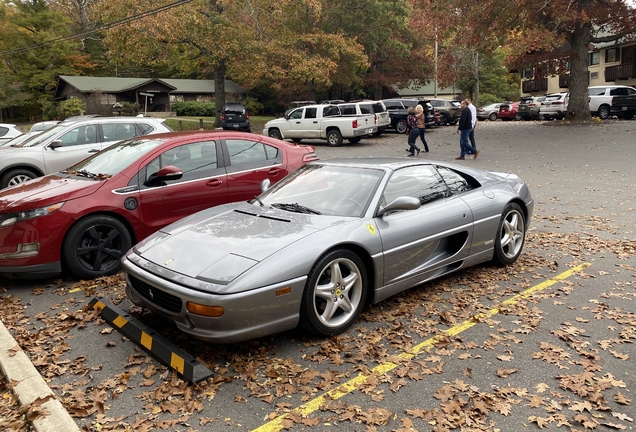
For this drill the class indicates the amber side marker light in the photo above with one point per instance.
(210, 311)
(283, 291)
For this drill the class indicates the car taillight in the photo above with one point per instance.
(247, 116)
(223, 117)
(557, 103)
(532, 104)
(354, 124)
(311, 156)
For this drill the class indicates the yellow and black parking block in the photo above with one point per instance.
(152, 342)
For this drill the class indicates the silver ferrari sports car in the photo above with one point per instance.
(329, 238)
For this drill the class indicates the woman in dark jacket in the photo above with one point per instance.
(413, 131)
(464, 128)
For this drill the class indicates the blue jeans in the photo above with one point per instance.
(423, 139)
(463, 143)
(471, 137)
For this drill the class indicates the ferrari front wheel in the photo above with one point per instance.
(510, 235)
(335, 293)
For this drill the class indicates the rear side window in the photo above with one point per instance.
(599, 91)
(3, 131)
(331, 111)
(621, 91)
(366, 109)
(409, 103)
(118, 131)
(378, 108)
(247, 151)
(393, 105)
(310, 113)
(145, 128)
(347, 109)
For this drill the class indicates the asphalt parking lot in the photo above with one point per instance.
(547, 343)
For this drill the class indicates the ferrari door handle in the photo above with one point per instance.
(93, 150)
(274, 171)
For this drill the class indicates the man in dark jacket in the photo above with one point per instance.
(464, 128)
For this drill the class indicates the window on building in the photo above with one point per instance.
(527, 73)
(612, 55)
(595, 58)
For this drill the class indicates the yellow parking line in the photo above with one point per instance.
(276, 424)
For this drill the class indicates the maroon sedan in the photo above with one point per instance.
(83, 219)
(508, 111)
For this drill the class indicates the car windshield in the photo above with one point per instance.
(115, 158)
(326, 190)
(38, 139)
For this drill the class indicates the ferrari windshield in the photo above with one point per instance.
(115, 158)
(325, 189)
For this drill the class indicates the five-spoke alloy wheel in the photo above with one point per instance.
(510, 235)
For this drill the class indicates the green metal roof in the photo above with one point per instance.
(87, 84)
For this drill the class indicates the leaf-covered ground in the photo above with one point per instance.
(577, 393)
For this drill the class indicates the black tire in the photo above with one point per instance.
(492, 116)
(355, 140)
(94, 245)
(274, 133)
(517, 117)
(604, 112)
(444, 120)
(400, 126)
(16, 177)
(344, 290)
(334, 138)
(511, 235)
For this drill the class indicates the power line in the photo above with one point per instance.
(97, 29)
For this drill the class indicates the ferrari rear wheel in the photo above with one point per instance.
(510, 235)
(335, 293)
(94, 246)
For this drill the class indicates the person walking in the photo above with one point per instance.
(412, 131)
(464, 128)
(421, 125)
(473, 112)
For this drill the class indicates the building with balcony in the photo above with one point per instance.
(609, 63)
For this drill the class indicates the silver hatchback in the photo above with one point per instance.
(67, 143)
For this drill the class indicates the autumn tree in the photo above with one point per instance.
(558, 32)
(31, 64)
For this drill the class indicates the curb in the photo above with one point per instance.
(31, 386)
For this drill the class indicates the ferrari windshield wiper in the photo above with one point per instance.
(296, 208)
(258, 201)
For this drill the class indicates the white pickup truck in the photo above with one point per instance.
(321, 122)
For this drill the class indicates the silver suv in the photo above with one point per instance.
(67, 143)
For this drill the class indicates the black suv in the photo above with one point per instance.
(235, 117)
(398, 111)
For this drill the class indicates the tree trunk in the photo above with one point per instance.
(578, 106)
(219, 91)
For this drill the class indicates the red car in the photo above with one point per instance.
(83, 219)
(508, 111)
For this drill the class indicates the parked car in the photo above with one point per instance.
(382, 118)
(609, 100)
(398, 108)
(8, 132)
(332, 102)
(86, 217)
(324, 122)
(19, 139)
(488, 112)
(554, 106)
(508, 111)
(450, 110)
(530, 107)
(68, 143)
(43, 125)
(317, 247)
(235, 117)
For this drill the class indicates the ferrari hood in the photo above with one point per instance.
(46, 190)
(222, 247)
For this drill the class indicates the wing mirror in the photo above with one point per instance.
(169, 172)
(400, 203)
(265, 185)
(56, 144)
